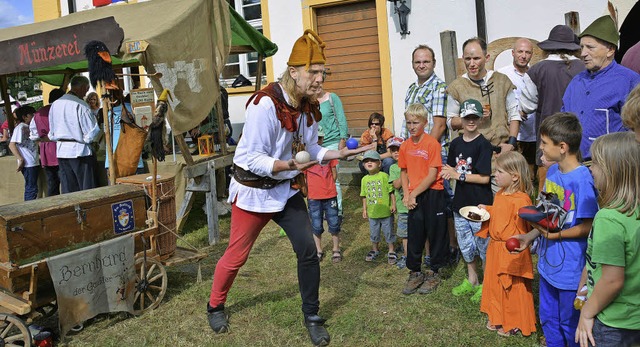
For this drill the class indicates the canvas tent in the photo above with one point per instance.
(187, 41)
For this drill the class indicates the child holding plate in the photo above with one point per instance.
(469, 163)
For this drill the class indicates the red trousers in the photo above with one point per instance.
(245, 228)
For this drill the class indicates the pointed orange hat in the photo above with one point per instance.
(308, 49)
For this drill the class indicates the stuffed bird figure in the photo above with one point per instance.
(100, 68)
(157, 125)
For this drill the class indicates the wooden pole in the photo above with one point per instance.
(572, 20)
(106, 115)
(259, 72)
(154, 189)
(481, 20)
(222, 136)
(449, 55)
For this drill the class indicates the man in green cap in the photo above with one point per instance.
(597, 94)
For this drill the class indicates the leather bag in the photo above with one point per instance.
(130, 144)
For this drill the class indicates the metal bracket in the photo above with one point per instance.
(81, 215)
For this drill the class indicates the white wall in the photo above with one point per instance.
(285, 17)
(533, 19)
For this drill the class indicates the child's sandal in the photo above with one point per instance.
(492, 327)
(320, 256)
(371, 256)
(336, 257)
(509, 333)
(392, 258)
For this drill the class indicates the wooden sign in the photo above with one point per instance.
(60, 46)
(144, 106)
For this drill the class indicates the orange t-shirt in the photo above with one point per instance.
(417, 158)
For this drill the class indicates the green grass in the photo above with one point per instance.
(362, 301)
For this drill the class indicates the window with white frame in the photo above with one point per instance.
(245, 64)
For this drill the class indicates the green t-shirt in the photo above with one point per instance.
(615, 240)
(394, 174)
(376, 189)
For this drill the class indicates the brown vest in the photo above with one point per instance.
(495, 129)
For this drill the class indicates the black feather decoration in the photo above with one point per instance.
(100, 68)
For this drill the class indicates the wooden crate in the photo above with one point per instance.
(166, 197)
(34, 230)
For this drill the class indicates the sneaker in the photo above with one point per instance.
(430, 284)
(402, 262)
(427, 261)
(218, 320)
(478, 294)
(317, 332)
(416, 278)
(464, 288)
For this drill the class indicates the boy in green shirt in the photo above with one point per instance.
(378, 205)
(401, 210)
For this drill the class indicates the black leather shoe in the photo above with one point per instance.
(218, 320)
(317, 332)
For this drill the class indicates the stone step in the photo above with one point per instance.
(349, 175)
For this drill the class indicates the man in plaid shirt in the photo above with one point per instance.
(429, 90)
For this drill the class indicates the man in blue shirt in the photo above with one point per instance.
(597, 94)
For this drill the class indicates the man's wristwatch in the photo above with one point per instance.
(512, 141)
(463, 177)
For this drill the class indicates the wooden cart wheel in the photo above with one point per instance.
(13, 332)
(151, 285)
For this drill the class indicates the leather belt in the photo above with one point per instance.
(249, 179)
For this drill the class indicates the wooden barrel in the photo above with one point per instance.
(166, 198)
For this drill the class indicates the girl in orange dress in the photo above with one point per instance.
(507, 298)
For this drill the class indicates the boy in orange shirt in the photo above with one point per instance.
(420, 163)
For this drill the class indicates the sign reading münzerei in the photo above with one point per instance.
(94, 280)
(59, 46)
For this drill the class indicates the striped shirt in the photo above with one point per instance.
(432, 95)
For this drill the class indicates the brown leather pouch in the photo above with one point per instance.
(130, 144)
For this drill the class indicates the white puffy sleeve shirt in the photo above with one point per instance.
(70, 119)
(264, 141)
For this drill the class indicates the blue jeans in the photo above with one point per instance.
(338, 189)
(470, 244)
(30, 182)
(401, 230)
(328, 208)
(606, 336)
(384, 224)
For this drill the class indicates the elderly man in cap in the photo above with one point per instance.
(546, 81)
(597, 95)
(280, 119)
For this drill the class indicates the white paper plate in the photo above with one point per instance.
(464, 212)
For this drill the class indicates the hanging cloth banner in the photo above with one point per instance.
(93, 280)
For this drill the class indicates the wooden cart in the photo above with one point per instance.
(32, 231)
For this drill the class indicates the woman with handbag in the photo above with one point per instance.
(334, 124)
